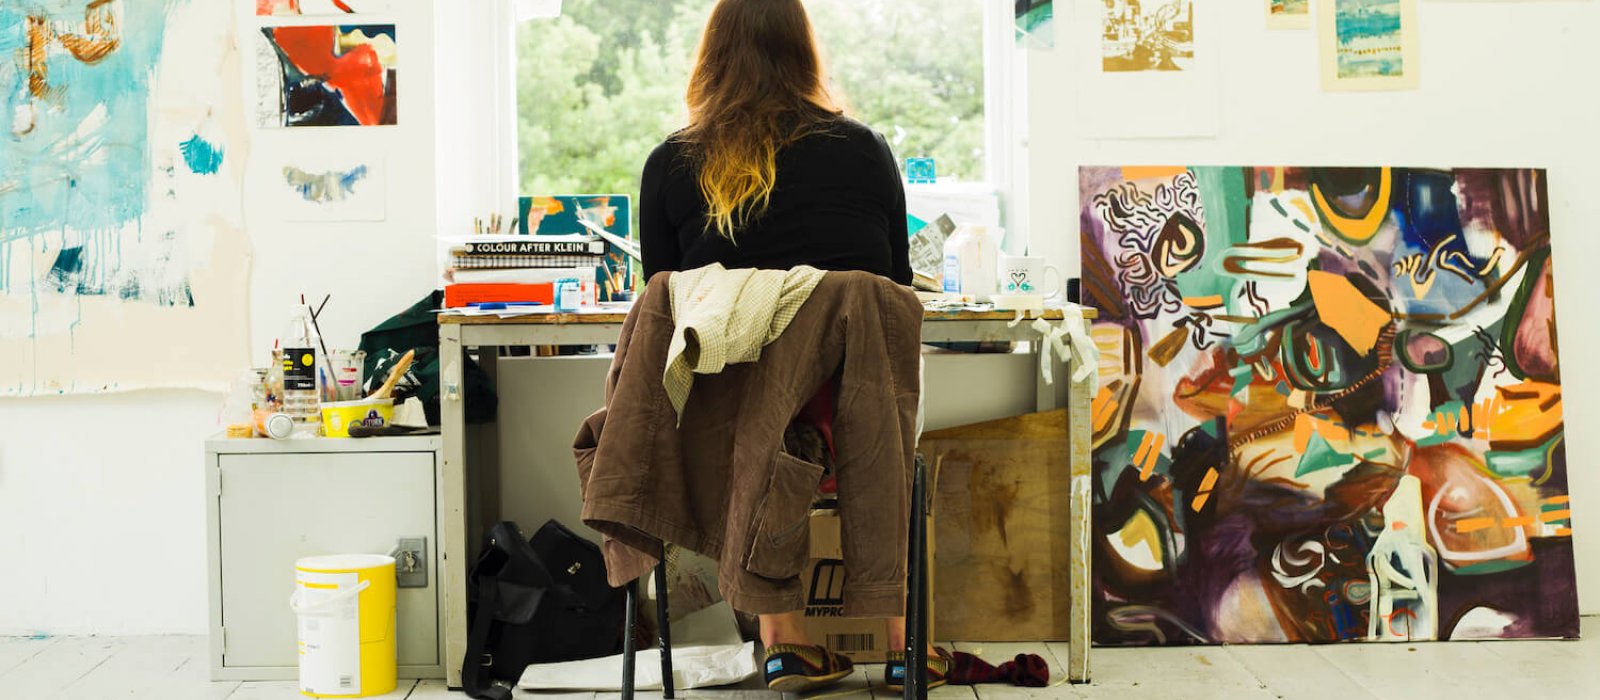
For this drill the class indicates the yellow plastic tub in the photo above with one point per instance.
(338, 417)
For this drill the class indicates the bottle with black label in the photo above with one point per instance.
(301, 400)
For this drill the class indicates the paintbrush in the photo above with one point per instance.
(395, 374)
(314, 312)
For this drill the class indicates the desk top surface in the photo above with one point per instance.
(601, 318)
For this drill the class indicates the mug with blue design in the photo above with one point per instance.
(1029, 276)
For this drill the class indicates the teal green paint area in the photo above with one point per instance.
(914, 225)
(1492, 567)
(1443, 412)
(202, 157)
(1224, 207)
(1320, 455)
(1242, 374)
(1512, 463)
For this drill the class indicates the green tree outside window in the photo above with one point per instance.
(600, 86)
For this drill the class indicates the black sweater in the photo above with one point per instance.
(838, 205)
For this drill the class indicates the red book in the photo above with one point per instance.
(460, 295)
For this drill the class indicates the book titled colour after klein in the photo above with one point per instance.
(536, 247)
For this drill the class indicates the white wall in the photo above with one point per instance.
(1504, 84)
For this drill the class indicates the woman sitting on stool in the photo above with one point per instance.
(770, 174)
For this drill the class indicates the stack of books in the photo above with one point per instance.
(514, 269)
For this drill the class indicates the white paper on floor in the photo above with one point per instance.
(706, 652)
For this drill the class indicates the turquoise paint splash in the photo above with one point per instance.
(84, 161)
(202, 157)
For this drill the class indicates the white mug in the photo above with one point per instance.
(1025, 275)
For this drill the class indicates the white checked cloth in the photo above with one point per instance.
(725, 317)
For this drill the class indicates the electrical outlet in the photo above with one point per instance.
(411, 562)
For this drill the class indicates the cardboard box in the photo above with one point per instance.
(863, 640)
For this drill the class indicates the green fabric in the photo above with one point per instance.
(417, 329)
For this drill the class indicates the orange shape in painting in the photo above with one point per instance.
(1529, 415)
(1156, 172)
(1347, 311)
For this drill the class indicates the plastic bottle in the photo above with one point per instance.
(971, 260)
(301, 392)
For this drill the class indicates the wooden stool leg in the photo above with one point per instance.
(628, 651)
(664, 628)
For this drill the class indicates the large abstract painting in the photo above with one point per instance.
(327, 75)
(119, 197)
(1330, 406)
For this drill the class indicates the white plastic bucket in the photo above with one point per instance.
(346, 609)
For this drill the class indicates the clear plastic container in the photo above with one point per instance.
(302, 374)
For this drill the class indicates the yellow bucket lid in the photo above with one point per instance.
(343, 563)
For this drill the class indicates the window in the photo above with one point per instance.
(601, 85)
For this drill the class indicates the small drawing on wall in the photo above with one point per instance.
(332, 189)
(1156, 35)
(267, 8)
(1289, 14)
(327, 75)
(1369, 44)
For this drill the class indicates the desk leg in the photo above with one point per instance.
(1080, 436)
(453, 501)
(485, 501)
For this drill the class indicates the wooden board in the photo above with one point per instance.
(1001, 520)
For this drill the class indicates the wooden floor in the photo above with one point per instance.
(174, 668)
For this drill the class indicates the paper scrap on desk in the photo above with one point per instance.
(516, 311)
(507, 312)
(927, 247)
(411, 413)
(706, 652)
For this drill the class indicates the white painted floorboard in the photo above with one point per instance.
(175, 668)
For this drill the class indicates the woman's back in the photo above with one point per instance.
(838, 204)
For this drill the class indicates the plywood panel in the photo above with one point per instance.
(1001, 520)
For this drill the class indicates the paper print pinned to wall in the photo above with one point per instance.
(266, 8)
(1149, 70)
(327, 75)
(119, 198)
(1289, 14)
(1036, 24)
(333, 189)
(1153, 35)
(1330, 406)
(1369, 44)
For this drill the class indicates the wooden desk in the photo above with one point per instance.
(460, 493)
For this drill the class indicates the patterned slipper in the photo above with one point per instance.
(894, 671)
(796, 668)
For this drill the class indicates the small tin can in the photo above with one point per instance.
(568, 295)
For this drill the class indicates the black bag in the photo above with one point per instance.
(537, 601)
(417, 329)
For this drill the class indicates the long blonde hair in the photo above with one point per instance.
(758, 85)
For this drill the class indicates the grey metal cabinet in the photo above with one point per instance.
(269, 503)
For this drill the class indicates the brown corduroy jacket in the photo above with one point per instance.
(721, 485)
